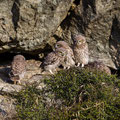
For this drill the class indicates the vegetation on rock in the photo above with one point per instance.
(82, 95)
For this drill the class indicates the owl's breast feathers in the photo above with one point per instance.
(18, 67)
(50, 59)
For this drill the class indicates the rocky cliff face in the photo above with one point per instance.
(98, 20)
(28, 25)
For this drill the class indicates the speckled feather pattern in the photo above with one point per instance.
(53, 60)
(99, 66)
(69, 58)
(81, 53)
(18, 67)
(80, 49)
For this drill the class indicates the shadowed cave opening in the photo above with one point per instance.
(6, 57)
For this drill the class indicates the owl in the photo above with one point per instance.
(18, 69)
(69, 58)
(53, 60)
(80, 49)
(99, 66)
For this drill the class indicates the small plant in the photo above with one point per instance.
(84, 95)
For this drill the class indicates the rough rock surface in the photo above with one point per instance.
(7, 33)
(7, 108)
(27, 25)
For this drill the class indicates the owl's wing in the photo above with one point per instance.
(71, 53)
(50, 59)
(86, 50)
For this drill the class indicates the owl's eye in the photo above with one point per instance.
(58, 45)
(83, 41)
(79, 41)
(61, 53)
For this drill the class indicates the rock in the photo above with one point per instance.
(8, 88)
(27, 25)
(115, 40)
(7, 108)
(7, 33)
(95, 19)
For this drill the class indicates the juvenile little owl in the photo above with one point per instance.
(53, 60)
(18, 68)
(69, 59)
(99, 66)
(80, 49)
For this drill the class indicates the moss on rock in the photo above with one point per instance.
(84, 95)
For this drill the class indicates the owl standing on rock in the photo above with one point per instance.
(18, 69)
(53, 60)
(69, 58)
(80, 49)
(99, 66)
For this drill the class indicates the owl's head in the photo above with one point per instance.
(61, 44)
(19, 58)
(79, 39)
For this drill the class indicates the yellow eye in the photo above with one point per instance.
(58, 45)
(61, 53)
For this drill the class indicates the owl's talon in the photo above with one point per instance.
(64, 67)
(19, 82)
(78, 64)
(15, 82)
(51, 71)
(82, 65)
(68, 67)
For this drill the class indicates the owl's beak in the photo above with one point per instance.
(75, 42)
(54, 49)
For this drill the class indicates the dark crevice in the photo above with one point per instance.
(16, 12)
(8, 56)
(114, 41)
(77, 2)
(89, 3)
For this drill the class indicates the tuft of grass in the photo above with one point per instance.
(83, 95)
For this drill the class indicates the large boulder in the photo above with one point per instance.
(27, 25)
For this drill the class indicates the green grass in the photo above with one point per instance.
(83, 95)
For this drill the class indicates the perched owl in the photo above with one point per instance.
(99, 66)
(69, 59)
(80, 49)
(53, 60)
(18, 68)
